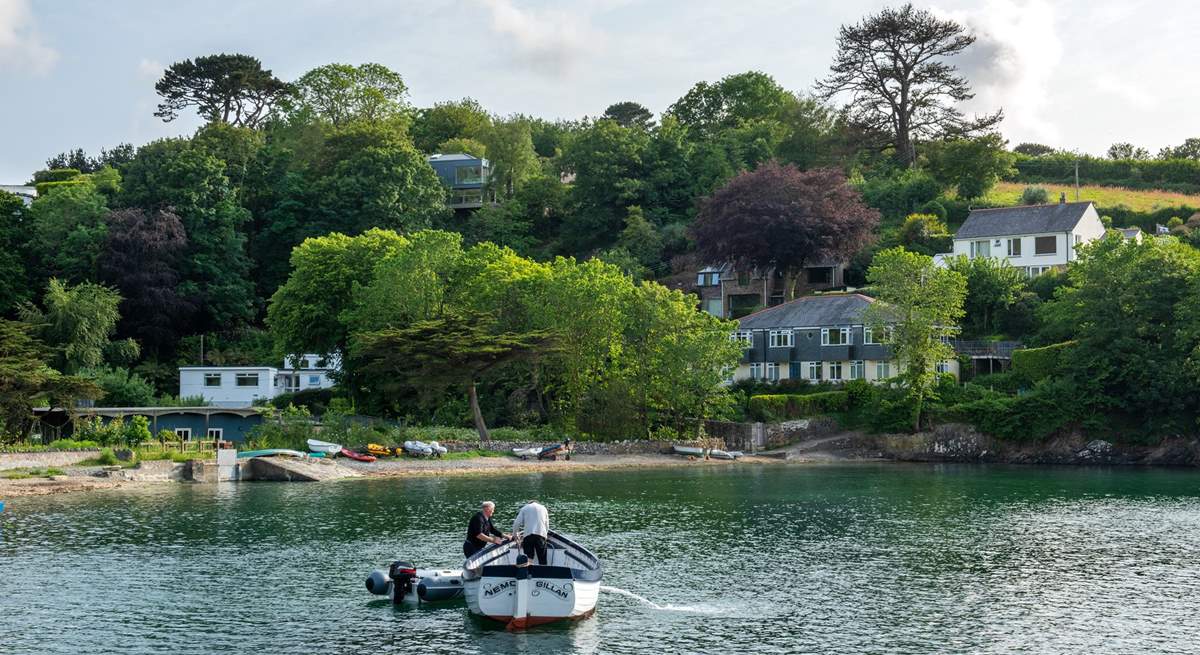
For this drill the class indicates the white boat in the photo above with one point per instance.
(688, 450)
(437, 448)
(526, 453)
(404, 583)
(318, 446)
(723, 454)
(417, 448)
(500, 583)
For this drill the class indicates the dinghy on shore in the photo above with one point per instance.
(688, 450)
(500, 583)
(346, 452)
(271, 452)
(318, 446)
(422, 449)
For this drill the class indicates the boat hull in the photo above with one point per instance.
(549, 599)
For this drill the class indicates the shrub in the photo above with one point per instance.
(106, 458)
(1033, 364)
(1048, 408)
(1035, 195)
(778, 407)
(137, 431)
(316, 401)
(933, 208)
(72, 444)
(56, 175)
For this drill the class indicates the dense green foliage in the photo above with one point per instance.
(781, 407)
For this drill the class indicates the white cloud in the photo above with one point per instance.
(150, 69)
(1012, 64)
(21, 47)
(548, 42)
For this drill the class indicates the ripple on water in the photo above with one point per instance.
(873, 559)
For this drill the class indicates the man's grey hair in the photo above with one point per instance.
(488, 503)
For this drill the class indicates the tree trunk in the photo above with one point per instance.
(477, 414)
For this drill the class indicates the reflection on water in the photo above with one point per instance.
(865, 558)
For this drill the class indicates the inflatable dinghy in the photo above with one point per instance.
(404, 583)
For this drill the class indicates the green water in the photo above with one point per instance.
(776, 559)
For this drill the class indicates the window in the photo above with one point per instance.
(756, 371)
(184, 434)
(856, 371)
(212, 379)
(835, 371)
(1035, 271)
(1045, 245)
(745, 336)
(781, 338)
(314, 380)
(743, 278)
(869, 335)
(943, 367)
(713, 306)
(835, 336)
(819, 275)
(468, 175)
(303, 362)
(1014, 247)
(701, 279)
(814, 371)
(708, 280)
(981, 249)
(215, 434)
(466, 197)
(321, 363)
(247, 379)
(772, 372)
(882, 371)
(1078, 239)
(795, 370)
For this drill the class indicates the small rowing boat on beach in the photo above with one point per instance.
(688, 450)
(318, 446)
(271, 452)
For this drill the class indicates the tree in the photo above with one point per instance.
(68, 231)
(183, 178)
(972, 166)
(121, 388)
(305, 314)
(993, 286)
(629, 114)
(640, 239)
(1189, 149)
(1127, 151)
(608, 163)
(233, 89)
(341, 93)
(447, 120)
(120, 155)
(1035, 195)
(707, 108)
(513, 159)
(78, 322)
(1034, 149)
(464, 145)
(26, 379)
(780, 218)
(447, 351)
(140, 258)
(925, 233)
(893, 68)
(918, 304)
(14, 279)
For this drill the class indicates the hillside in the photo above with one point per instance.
(1140, 200)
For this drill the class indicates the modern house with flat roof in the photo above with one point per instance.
(27, 194)
(816, 338)
(466, 177)
(242, 386)
(1034, 238)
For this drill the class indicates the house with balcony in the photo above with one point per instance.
(243, 386)
(816, 338)
(727, 292)
(465, 176)
(1033, 238)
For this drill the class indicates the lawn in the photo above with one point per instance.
(1142, 200)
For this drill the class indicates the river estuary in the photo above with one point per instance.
(866, 558)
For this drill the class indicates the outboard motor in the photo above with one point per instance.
(402, 574)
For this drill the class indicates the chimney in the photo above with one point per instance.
(1062, 198)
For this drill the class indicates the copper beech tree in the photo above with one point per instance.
(780, 218)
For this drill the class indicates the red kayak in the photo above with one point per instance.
(346, 452)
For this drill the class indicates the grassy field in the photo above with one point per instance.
(1145, 200)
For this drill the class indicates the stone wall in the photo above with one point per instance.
(631, 447)
(44, 459)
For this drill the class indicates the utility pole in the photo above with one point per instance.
(202, 350)
(1076, 180)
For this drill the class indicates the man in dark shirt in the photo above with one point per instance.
(481, 532)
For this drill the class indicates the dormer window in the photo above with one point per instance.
(835, 336)
(781, 338)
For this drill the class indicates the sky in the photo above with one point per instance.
(1074, 74)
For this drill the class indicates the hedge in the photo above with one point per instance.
(44, 188)
(1182, 175)
(56, 175)
(778, 407)
(1033, 364)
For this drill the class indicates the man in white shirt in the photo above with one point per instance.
(533, 522)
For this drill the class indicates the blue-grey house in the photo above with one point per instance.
(816, 338)
(466, 176)
(188, 423)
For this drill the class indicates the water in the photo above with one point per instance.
(776, 559)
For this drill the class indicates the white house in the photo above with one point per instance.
(1036, 238)
(241, 386)
(27, 194)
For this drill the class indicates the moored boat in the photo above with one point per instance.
(346, 452)
(501, 584)
(404, 583)
(318, 446)
(271, 452)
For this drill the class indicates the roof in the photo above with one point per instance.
(1028, 219)
(457, 156)
(1131, 232)
(151, 411)
(810, 311)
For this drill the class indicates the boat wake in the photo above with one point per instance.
(694, 609)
